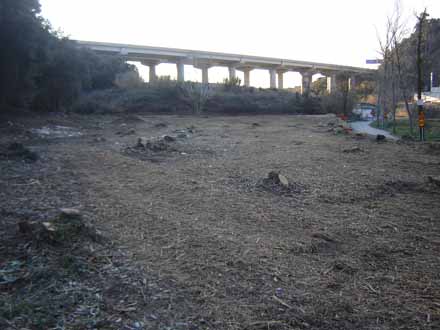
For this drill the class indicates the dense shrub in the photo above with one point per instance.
(146, 98)
(41, 68)
(195, 95)
(129, 79)
(231, 84)
(339, 103)
(68, 72)
(174, 97)
(23, 39)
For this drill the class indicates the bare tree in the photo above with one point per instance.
(394, 81)
(196, 95)
(383, 76)
(399, 31)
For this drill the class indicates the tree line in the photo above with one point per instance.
(40, 67)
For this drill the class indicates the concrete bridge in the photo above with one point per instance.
(152, 56)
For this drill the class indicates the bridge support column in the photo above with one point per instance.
(153, 75)
(352, 83)
(205, 75)
(232, 73)
(280, 74)
(247, 75)
(306, 82)
(273, 82)
(152, 67)
(180, 71)
(204, 66)
(331, 83)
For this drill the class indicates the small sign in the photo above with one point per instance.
(376, 61)
(421, 119)
(420, 103)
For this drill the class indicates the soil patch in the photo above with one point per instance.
(208, 240)
(279, 185)
(128, 120)
(154, 150)
(56, 270)
(17, 151)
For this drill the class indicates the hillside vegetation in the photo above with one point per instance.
(40, 68)
(188, 97)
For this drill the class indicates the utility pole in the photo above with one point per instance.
(421, 111)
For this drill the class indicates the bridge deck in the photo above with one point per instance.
(197, 57)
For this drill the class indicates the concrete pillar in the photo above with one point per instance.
(352, 83)
(306, 82)
(204, 66)
(331, 83)
(434, 80)
(180, 71)
(152, 67)
(232, 73)
(205, 77)
(247, 77)
(281, 78)
(273, 83)
(152, 75)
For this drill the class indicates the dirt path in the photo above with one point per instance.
(353, 246)
(364, 127)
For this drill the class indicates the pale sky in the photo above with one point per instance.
(328, 31)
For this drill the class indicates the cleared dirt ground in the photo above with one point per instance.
(354, 243)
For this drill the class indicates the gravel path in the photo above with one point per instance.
(364, 127)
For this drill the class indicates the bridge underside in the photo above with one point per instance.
(152, 56)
